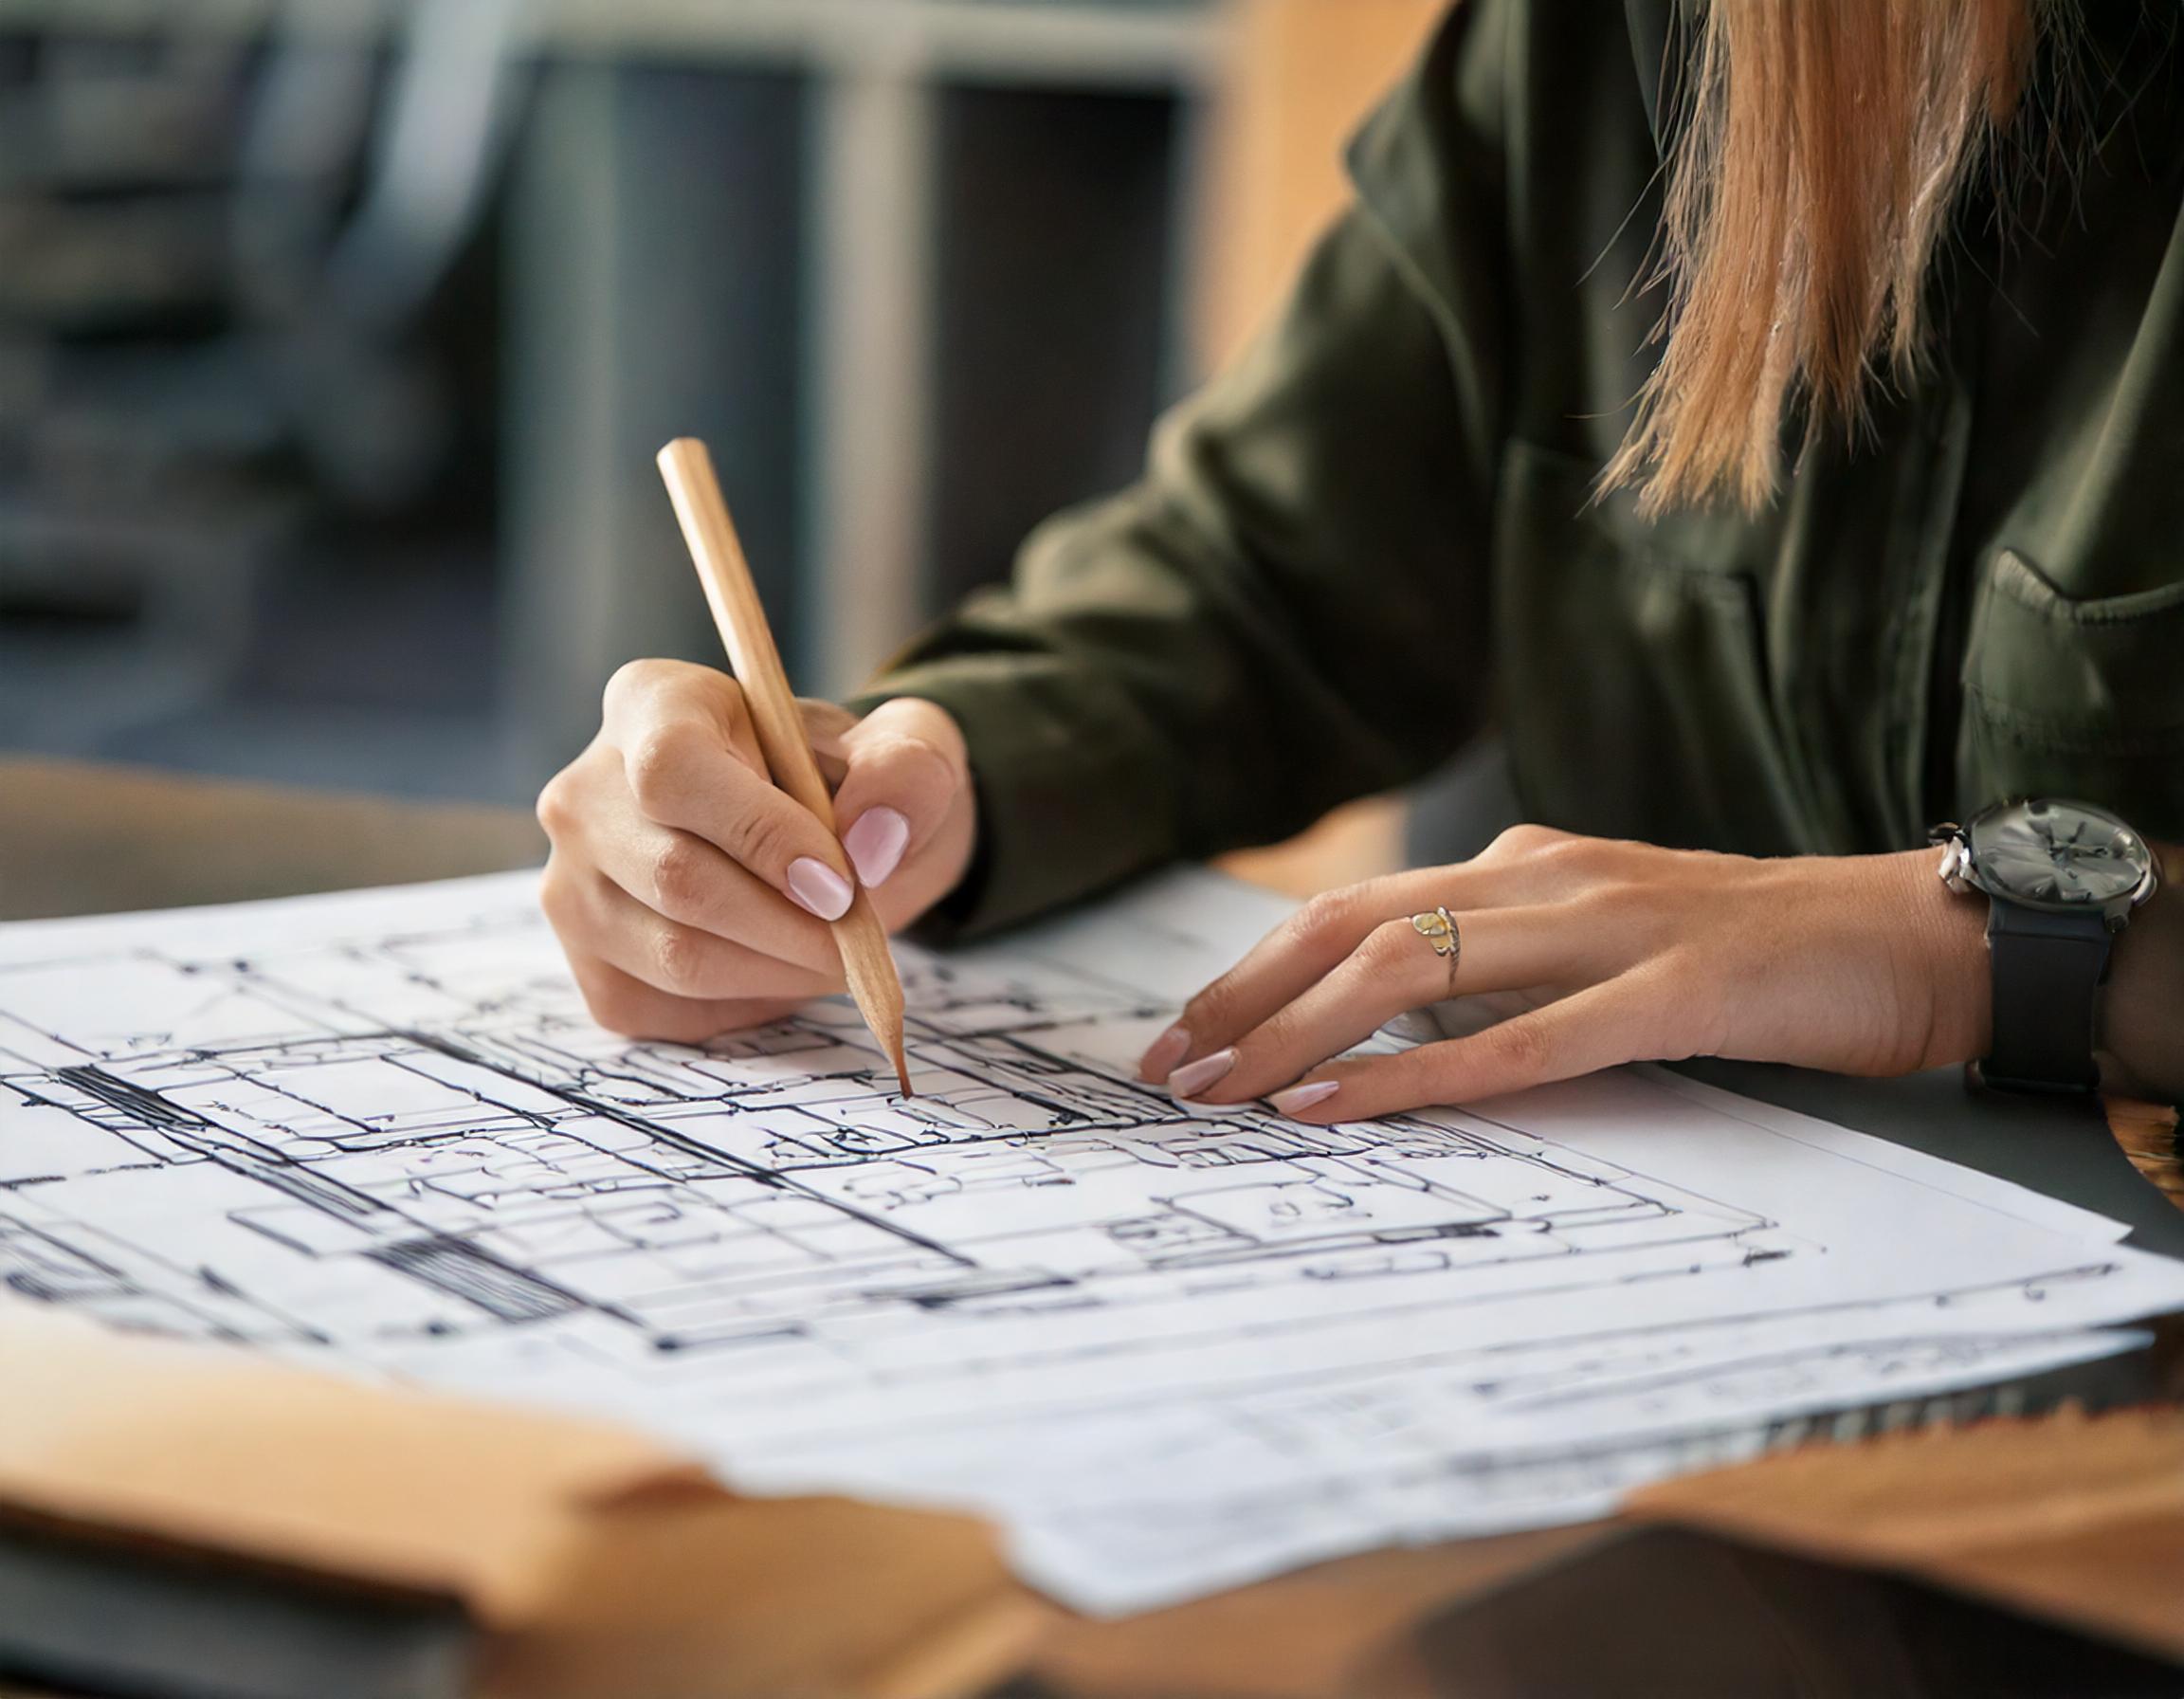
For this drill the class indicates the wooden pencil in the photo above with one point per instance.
(868, 963)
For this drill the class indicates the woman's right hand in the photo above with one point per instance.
(692, 896)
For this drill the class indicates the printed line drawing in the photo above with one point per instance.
(1165, 1349)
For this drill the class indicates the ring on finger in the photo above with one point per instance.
(1437, 927)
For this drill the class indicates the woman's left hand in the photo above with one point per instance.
(1860, 964)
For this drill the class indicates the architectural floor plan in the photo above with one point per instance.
(1165, 1350)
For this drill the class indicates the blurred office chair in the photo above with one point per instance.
(215, 247)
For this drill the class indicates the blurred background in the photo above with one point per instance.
(337, 336)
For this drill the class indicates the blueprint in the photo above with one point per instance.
(1164, 1350)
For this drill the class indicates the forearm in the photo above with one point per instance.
(1074, 791)
(1143, 694)
(1290, 608)
(1287, 612)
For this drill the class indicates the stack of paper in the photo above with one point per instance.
(1165, 1351)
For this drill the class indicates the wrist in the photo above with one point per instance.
(1939, 944)
(2061, 880)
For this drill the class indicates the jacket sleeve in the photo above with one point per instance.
(1290, 608)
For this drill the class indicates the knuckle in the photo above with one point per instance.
(1524, 840)
(1391, 943)
(1324, 915)
(633, 679)
(1564, 850)
(920, 764)
(557, 809)
(901, 767)
(679, 878)
(763, 840)
(1612, 900)
(1518, 1047)
(1207, 1011)
(934, 725)
(654, 766)
(678, 962)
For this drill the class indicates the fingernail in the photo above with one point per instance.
(819, 887)
(1165, 1052)
(1304, 1097)
(1195, 1077)
(876, 843)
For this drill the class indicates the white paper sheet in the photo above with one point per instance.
(1166, 1351)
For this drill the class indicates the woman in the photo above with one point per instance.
(1893, 530)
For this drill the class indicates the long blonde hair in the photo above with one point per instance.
(1822, 147)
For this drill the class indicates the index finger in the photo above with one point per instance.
(1615, 1021)
(690, 757)
(682, 775)
(1308, 945)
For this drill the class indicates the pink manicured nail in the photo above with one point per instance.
(1304, 1097)
(819, 887)
(876, 844)
(1165, 1052)
(1193, 1077)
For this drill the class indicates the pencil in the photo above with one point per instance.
(868, 963)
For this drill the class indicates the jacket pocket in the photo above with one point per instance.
(2075, 697)
(1633, 668)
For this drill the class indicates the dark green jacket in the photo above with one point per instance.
(1374, 537)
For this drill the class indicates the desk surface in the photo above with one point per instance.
(80, 839)
(76, 839)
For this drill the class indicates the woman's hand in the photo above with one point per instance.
(691, 896)
(1626, 952)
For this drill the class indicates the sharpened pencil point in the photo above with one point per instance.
(902, 1074)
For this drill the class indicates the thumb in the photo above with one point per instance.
(907, 764)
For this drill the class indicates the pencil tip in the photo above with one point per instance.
(903, 1076)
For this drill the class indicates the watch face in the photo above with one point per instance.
(2057, 854)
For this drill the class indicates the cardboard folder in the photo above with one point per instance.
(594, 1562)
(591, 1561)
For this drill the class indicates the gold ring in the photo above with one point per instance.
(1437, 927)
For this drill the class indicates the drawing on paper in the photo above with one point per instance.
(408, 1152)
(510, 1163)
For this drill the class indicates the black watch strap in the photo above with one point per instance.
(2048, 972)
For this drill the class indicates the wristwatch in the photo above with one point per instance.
(2062, 879)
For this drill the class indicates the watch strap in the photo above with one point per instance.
(2048, 971)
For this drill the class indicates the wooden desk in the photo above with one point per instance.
(78, 839)
(82, 839)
